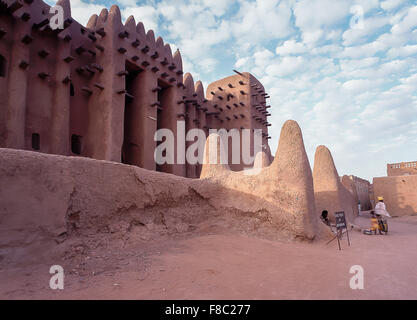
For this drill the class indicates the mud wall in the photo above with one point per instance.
(331, 194)
(44, 199)
(360, 190)
(400, 194)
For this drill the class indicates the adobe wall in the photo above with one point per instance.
(330, 194)
(286, 183)
(348, 183)
(360, 189)
(400, 193)
(46, 199)
(102, 90)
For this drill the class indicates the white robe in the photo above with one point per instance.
(381, 209)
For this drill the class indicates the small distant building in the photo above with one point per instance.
(402, 169)
(398, 189)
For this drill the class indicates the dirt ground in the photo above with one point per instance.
(230, 266)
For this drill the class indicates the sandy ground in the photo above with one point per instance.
(231, 266)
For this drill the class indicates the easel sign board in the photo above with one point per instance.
(340, 225)
(340, 220)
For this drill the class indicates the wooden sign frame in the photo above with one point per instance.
(341, 225)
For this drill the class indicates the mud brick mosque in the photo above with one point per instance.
(102, 91)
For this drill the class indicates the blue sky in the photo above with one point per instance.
(346, 70)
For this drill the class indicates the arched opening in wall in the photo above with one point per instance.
(36, 141)
(163, 98)
(3, 66)
(130, 148)
(76, 146)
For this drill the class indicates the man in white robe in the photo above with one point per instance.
(381, 209)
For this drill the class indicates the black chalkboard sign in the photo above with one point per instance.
(340, 220)
(340, 225)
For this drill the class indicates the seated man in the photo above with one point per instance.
(324, 217)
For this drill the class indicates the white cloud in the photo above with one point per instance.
(291, 47)
(128, 3)
(314, 16)
(402, 51)
(332, 49)
(262, 20)
(367, 5)
(263, 58)
(241, 62)
(208, 64)
(285, 66)
(358, 85)
(352, 65)
(218, 7)
(363, 51)
(411, 80)
(407, 24)
(389, 5)
(146, 14)
(82, 11)
(370, 26)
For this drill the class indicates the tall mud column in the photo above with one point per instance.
(6, 39)
(17, 85)
(106, 108)
(60, 113)
(146, 118)
(201, 114)
(172, 111)
(169, 121)
(140, 120)
(191, 118)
